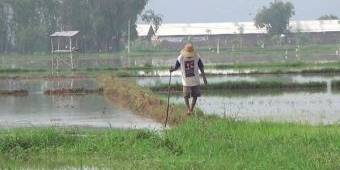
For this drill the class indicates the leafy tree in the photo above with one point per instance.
(103, 23)
(275, 18)
(33, 21)
(3, 38)
(328, 17)
(25, 24)
(78, 15)
(151, 18)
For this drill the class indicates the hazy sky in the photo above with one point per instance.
(235, 10)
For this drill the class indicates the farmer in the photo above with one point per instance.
(189, 62)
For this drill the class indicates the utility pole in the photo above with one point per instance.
(218, 46)
(129, 36)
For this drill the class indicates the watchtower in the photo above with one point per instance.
(63, 47)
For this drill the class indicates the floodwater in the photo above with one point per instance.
(38, 110)
(41, 85)
(314, 107)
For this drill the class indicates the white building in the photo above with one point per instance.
(322, 31)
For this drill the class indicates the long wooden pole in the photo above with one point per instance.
(167, 109)
(129, 36)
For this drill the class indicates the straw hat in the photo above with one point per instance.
(188, 51)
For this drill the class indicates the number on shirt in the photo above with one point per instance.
(189, 68)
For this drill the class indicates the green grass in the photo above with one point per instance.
(133, 71)
(265, 65)
(289, 67)
(199, 143)
(305, 51)
(245, 85)
(13, 92)
(299, 64)
(6, 71)
(336, 85)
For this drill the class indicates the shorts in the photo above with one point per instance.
(191, 91)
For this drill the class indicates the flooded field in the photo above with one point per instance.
(165, 73)
(37, 109)
(41, 85)
(95, 61)
(316, 107)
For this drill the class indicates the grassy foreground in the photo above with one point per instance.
(198, 143)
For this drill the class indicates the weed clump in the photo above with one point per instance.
(79, 91)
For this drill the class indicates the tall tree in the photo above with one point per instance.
(103, 23)
(328, 17)
(78, 15)
(275, 18)
(3, 38)
(155, 20)
(33, 21)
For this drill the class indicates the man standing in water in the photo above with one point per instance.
(189, 61)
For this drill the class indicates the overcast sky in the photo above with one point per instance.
(235, 10)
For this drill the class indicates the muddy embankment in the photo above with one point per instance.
(142, 101)
(80, 91)
(244, 85)
(13, 93)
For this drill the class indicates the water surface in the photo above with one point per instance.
(38, 110)
(315, 107)
(305, 107)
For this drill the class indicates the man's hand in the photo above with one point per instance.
(205, 80)
(171, 69)
(204, 77)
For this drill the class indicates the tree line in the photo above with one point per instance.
(25, 25)
(276, 17)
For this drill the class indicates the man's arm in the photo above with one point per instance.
(201, 67)
(177, 66)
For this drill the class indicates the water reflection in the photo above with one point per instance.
(36, 109)
(40, 85)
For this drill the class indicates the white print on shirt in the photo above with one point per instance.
(190, 68)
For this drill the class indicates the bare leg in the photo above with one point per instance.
(194, 100)
(186, 99)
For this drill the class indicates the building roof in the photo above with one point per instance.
(208, 29)
(315, 26)
(64, 34)
(187, 29)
